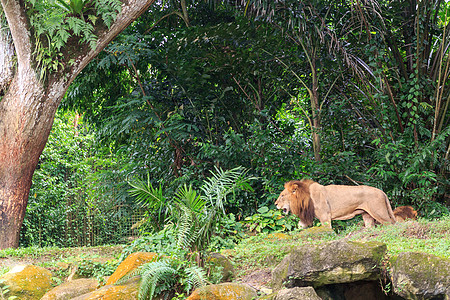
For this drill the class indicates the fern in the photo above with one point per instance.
(154, 273)
(164, 275)
(195, 277)
(196, 217)
(57, 21)
(107, 10)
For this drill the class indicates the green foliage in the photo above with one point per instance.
(99, 270)
(268, 221)
(175, 101)
(162, 242)
(228, 233)
(72, 202)
(198, 219)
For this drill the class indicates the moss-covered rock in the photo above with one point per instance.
(71, 289)
(27, 282)
(220, 263)
(130, 263)
(224, 291)
(335, 262)
(421, 276)
(303, 293)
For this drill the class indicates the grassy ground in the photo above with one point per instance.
(59, 260)
(265, 251)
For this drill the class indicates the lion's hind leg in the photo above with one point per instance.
(369, 221)
(381, 218)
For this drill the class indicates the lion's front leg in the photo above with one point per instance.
(325, 219)
(368, 220)
(302, 225)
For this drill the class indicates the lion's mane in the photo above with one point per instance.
(402, 213)
(300, 202)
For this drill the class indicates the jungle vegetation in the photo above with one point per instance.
(337, 91)
(187, 124)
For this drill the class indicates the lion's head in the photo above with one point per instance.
(296, 198)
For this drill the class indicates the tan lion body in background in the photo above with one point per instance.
(308, 199)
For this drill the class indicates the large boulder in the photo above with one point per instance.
(224, 291)
(71, 289)
(339, 261)
(421, 276)
(129, 264)
(300, 293)
(27, 282)
(126, 291)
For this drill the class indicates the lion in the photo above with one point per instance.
(402, 213)
(308, 199)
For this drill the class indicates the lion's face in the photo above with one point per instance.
(283, 202)
(295, 198)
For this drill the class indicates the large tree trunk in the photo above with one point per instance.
(315, 107)
(28, 108)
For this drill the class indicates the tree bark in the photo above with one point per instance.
(28, 108)
(6, 59)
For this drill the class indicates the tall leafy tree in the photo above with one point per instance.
(52, 46)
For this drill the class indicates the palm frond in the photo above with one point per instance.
(217, 187)
(190, 198)
(146, 195)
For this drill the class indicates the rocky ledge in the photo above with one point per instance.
(338, 270)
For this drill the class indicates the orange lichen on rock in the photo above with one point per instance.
(130, 263)
(127, 291)
(27, 282)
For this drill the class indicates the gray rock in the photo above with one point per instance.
(421, 276)
(335, 262)
(300, 293)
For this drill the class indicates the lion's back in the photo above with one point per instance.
(351, 195)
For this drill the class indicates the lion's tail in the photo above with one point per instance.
(389, 208)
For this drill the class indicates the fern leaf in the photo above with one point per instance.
(152, 274)
(195, 277)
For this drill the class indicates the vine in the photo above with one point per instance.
(56, 21)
